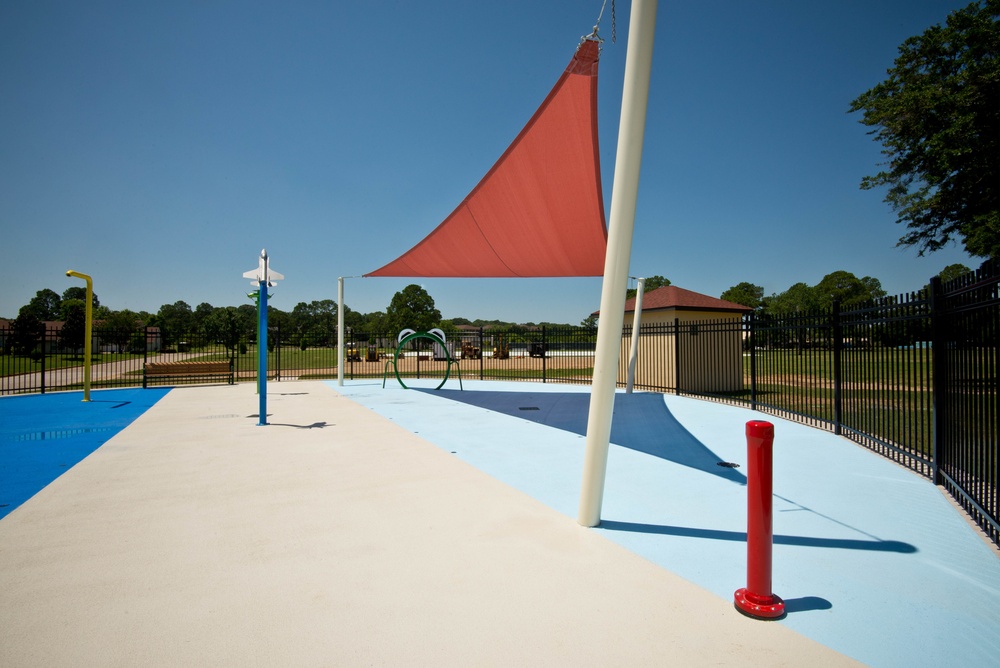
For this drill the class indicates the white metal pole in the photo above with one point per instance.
(635, 94)
(340, 331)
(633, 354)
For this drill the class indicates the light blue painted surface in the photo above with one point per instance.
(871, 559)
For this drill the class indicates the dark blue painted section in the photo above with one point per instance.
(43, 436)
(642, 422)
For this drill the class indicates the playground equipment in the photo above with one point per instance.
(756, 599)
(501, 351)
(262, 277)
(438, 341)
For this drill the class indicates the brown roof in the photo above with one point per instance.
(671, 296)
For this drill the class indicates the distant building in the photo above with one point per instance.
(708, 341)
(153, 336)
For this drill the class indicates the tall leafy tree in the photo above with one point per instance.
(27, 332)
(650, 284)
(230, 326)
(746, 294)
(374, 323)
(949, 273)
(848, 289)
(316, 321)
(45, 305)
(412, 308)
(74, 324)
(118, 329)
(80, 292)
(175, 322)
(953, 271)
(799, 298)
(937, 116)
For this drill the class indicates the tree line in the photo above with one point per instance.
(307, 324)
(315, 323)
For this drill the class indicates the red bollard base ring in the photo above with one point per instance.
(759, 607)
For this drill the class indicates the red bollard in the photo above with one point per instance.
(756, 599)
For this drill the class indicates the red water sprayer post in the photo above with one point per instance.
(756, 599)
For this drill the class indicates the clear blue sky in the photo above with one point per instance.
(158, 146)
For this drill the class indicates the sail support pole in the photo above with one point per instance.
(631, 129)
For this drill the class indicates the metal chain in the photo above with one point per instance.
(614, 28)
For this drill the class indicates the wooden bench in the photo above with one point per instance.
(188, 370)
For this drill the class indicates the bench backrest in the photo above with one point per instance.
(192, 368)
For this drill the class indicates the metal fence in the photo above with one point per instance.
(913, 377)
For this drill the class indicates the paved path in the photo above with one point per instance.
(61, 378)
(334, 537)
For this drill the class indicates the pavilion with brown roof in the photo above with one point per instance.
(705, 351)
(666, 303)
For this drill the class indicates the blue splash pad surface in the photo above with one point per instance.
(871, 559)
(43, 436)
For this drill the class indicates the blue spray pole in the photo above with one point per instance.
(262, 276)
(262, 352)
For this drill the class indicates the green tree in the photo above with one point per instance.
(949, 273)
(937, 117)
(45, 305)
(799, 298)
(953, 271)
(117, 329)
(280, 322)
(80, 292)
(412, 308)
(651, 284)
(74, 324)
(175, 322)
(745, 294)
(315, 321)
(27, 332)
(229, 326)
(848, 289)
(375, 323)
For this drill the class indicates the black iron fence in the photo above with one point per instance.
(913, 377)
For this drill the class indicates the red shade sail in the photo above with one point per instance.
(539, 211)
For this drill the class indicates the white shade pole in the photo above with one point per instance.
(633, 354)
(635, 94)
(340, 331)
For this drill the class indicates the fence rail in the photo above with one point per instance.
(913, 377)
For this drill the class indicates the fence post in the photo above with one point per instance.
(838, 349)
(45, 341)
(145, 353)
(544, 353)
(277, 352)
(939, 372)
(677, 356)
(482, 354)
(752, 337)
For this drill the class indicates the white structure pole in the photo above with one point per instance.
(633, 354)
(635, 94)
(340, 331)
